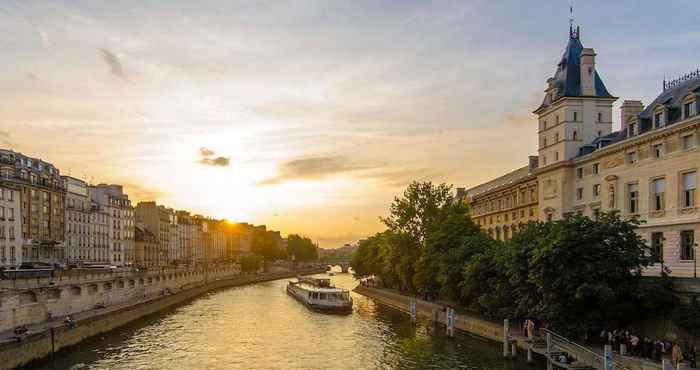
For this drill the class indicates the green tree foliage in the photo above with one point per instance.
(251, 263)
(575, 274)
(302, 248)
(429, 236)
(267, 245)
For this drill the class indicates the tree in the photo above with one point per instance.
(251, 263)
(265, 244)
(418, 212)
(302, 248)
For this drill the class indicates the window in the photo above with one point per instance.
(596, 168)
(556, 156)
(544, 141)
(556, 137)
(544, 160)
(658, 122)
(633, 198)
(579, 173)
(688, 109)
(687, 245)
(658, 150)
(575, 135)
(657, 247)
(596, 190)
(596, 214)
(557, 119)
(632, 157)
(658, 188)
(579, 194)
(600, 119)
(689, 185)
(632, 129)
(688, 142)
(599, 133)
(575, 116)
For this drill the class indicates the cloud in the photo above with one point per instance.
(207, 158)
(401, 177)
(313, 168)
(4, 139)
(139, 193)
(115, 65)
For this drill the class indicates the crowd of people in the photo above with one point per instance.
(633, 344)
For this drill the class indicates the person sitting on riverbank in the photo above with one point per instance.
(70, 322)
(20, 332)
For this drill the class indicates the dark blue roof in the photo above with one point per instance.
(568, 75)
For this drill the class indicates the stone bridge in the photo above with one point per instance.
(344, 263)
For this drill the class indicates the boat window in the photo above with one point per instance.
(323, 295)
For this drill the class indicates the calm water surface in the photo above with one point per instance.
(260, 327)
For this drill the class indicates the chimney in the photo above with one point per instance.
(461, 193)
(630, 108)
(587, 72)
(532, 163)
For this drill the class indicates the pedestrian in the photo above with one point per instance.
(676, 355)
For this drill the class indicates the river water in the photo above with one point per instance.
(261, 327)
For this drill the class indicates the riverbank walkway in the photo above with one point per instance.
(589, 357)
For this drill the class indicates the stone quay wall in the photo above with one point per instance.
(31, 301)
(475, 325)
(43, 344)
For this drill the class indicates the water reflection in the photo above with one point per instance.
(260, 327)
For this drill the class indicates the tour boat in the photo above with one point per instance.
(318, 294)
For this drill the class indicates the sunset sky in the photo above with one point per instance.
(307, 116)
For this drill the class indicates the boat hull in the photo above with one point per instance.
(299, 295)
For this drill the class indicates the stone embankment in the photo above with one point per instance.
(475, 325)
(47, 337)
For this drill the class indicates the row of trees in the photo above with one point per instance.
(267, 247)
(575, 274)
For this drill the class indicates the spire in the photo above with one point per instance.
(571, 20)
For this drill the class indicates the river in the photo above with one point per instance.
(260, 327)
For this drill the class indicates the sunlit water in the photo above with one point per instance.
(261, 327)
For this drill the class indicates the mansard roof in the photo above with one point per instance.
(673, 94)
(567, 78)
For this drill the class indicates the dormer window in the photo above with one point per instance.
(659, 120)
(632, 129)
(688, 110)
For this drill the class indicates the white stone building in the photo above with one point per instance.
(87, 226)
(10, 228)
(112, 200)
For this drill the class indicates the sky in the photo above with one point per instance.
(308, 116)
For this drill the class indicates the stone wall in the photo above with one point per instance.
(39, 345)
(30, 301)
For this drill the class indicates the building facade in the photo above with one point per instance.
(147, 250)
(112, 200)
(42, 196)
(647, 170)
(504, 205)
(87, 239)
(10, 228)
(161, 222)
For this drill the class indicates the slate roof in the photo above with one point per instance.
(567, 78)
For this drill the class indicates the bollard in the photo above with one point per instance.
(513, 349)
(450, 322)
(665, 364)
(506, 334)
(623, 349)
(549, 351)
(412, 309)
(608, 358)
(529, 354)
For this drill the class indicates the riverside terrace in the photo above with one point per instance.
(31, 301)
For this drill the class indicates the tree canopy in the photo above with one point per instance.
(301, 248)
(575, 273)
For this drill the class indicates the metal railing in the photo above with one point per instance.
(582, 354)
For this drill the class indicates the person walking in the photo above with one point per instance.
(676, 354)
